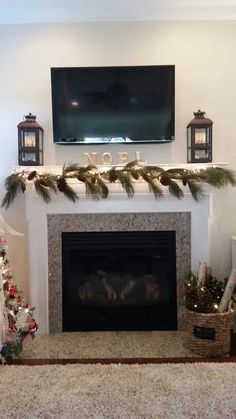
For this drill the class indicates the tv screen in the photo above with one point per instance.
(113, 104)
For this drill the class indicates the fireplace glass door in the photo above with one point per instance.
(119, 280)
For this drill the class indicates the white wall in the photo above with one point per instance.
(205, 62)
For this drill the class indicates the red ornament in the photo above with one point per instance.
(33, 326)
(11, 291)
(18, 299)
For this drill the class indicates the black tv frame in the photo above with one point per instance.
(110, 140)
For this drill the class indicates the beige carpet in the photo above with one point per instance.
(201, 390)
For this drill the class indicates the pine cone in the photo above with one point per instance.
(32, 175)
(206, 301)
(134, 174)
(61, 184)
(165, 180)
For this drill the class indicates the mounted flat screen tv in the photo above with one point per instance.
(96, 105)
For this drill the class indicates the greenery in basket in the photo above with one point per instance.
(203, 298)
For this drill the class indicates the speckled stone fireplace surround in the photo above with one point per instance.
(45, 223)
(58, 223)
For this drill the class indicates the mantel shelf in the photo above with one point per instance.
(58, 168)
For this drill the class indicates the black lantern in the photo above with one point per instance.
(199, 139)
(30, 142)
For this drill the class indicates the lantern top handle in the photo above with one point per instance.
(199, 114)
(30, 117)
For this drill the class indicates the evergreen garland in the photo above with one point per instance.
(97, 181)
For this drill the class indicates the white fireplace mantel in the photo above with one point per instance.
(117, 202)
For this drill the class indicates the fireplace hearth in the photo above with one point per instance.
(122, 280)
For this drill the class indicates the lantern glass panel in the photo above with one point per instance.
(189, 137)
(202, 154)
(28, 157)
(200, 136)
(40, 140)
(28, 139)
(208, 136)
(189, 155)
(22, 139)
(40, 158)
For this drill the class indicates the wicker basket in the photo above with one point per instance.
(208, 334)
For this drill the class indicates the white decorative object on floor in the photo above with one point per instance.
(233, 238)
(229, 289)
(201, 275)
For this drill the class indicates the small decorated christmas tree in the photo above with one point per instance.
(16, 316)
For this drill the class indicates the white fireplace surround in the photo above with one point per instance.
(117, 202)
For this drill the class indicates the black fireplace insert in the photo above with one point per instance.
(123, 280)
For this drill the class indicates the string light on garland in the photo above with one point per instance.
(97, 181)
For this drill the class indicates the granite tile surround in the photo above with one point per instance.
(180, 222)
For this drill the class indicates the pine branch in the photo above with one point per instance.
(153, 186)
(175, 189)
(8, 198)
(92, 190)
(196, 190)
(104, 191)
(70, 193)
(50, 181)
(178, 174)
(153, 171)
(63, 187)
(218, 177)
(13, 185)
(94, 185)
(12, 180)
(42, 190)
(131, 165)
(126, 182)
(133, 168)
(70, 168)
